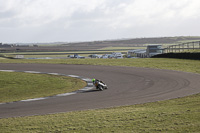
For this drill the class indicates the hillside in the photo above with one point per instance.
(138, 42)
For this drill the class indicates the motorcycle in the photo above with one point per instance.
(100, 85)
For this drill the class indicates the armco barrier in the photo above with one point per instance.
(194, 56)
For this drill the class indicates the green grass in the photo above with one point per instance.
(186, 41)
(193, 51)
(171, 64)
(39, 56)
(15, 86)
(34, 53)
(177, 115)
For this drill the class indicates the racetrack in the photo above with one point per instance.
(127, 86)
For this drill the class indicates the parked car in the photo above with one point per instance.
(116, 55)
(95, 56)
(76, 56)
(105, 56)
(70, 56)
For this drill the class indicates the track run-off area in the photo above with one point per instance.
(126, 86)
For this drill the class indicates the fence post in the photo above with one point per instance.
(199, 44)
(182, 47)
(193, 45)
(175, 48)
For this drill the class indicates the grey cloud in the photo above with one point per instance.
(111, 19)
(7, 14)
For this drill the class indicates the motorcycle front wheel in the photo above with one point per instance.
(100, 88)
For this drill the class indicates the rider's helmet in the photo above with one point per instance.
(93, 80)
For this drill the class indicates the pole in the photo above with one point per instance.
(199, 44)
(175, 48)
(193, 45)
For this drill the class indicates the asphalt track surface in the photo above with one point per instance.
(127, 86)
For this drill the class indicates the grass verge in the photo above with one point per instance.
(15, 86)
(171, 64)
(177, 115)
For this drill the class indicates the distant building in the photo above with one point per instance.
(141, 53)
(146, 53)
(154, 50)
(133, 52)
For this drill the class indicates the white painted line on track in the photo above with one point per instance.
(74, 76)
(53, 73)
(86, 79)
(86, 88)
(31, 72)
(34, 99)
(7, 70)
(67, 94)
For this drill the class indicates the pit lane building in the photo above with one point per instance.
(149, 52)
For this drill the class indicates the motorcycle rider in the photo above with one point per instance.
(96, 82)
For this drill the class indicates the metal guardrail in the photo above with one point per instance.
(183, 47)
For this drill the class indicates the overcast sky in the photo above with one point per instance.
(86, 20)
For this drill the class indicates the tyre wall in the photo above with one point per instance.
(194, 56)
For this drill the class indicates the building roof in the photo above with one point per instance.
(137, 50)
(155, 45)
(140, 52)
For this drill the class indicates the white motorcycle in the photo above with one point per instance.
(100, 85)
